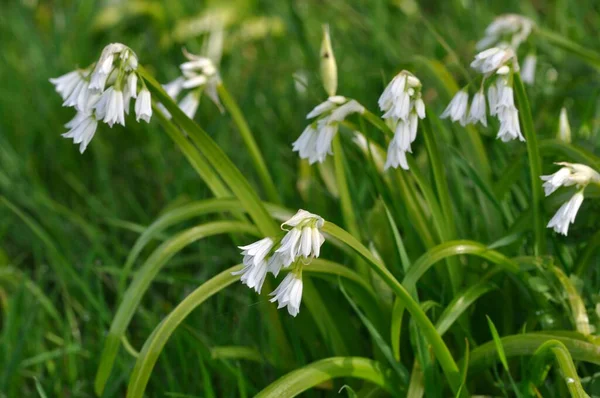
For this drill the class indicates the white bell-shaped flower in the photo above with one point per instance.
(289, 293)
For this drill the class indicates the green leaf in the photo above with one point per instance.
(578, 311)
(381, 343)
(460, 303)
(526, 344)
(303, 379)
(236, 352)
(535, 164)
(497, 343)
(142, 280)
(538, 368)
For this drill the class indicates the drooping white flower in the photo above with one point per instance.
(143, 106)
(110, 107)
(255, 263)
(304, 239)
(314, 144)
(510, 129)
(564, 128)
(65, 84)
(457, 109)
(566, 214)
(528, 69)
(478, 110)
(492, 59)
(104, 66)
(189, 103)
(516, 27)
(81, 129)
(403, 106)
(396, 156)
(568, 175)
(289, 293)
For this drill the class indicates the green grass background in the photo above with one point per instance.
(80, 214)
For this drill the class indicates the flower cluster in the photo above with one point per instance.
(403, 106)
(314, 143)
(303, 240)
(571, 174)
(497, 65)
(103, 92)
(510, 31)
(506, 30)
(199, 75)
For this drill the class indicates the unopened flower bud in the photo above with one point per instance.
(328, 65)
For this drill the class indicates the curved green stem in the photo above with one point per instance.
(300, 380)
(438, 346)
(535, 165)
(255, 153)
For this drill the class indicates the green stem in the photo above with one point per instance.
(255, 154)
(439, 175)
(590, 57)
(535, 165)
(439, 348)
(345, 198)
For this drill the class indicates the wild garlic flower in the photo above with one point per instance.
(403, 106)
(314, 144)
(255, 264)
(102, 92)
(497, 66)
(198, 75)
(570, 174)
(301, 242)
(289, 293)
(458, 108)
(509, 29)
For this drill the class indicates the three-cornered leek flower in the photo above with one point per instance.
(199, 75)
(302, 242)
(102, 92)
(571, 174)
(508, 29)
(314, 144)
(497, 66)
(403, 106)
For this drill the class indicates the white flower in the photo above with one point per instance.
(303, 239)
(478, 109)
(490, 60)
(105, 65)
(403, 106)
(110, 107)
(457, 109)
(516, 27)
(174, 87)
(396, 156)
(528, 70)
(189, 103)
(289, 293)
(130, 91)
(314, 144)
(566, 214)
(510, 128)
(143, 106)
(564, 128)
(255, 264)
(65, 84)
(570, 174)
(492, 95)
(82, 129)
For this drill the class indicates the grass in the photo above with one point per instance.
(68, 221)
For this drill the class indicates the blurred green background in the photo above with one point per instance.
(64, 214)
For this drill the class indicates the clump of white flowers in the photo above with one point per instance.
(302, 241)
(510, 31)
(403, 106)
(507, 29)
(314, 144)
(571, 174)
(497, 66)
(103, 92)
(199, 75)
